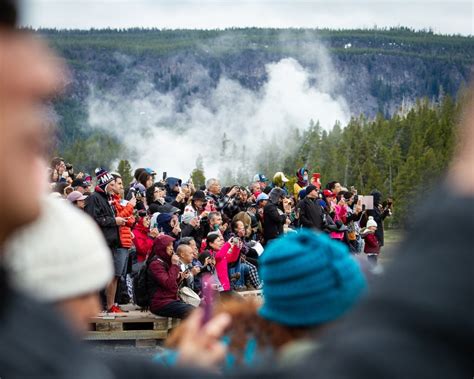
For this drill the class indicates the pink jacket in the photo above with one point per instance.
(340, 214)
(223, 256)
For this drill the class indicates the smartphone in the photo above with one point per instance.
(165, 175)
(208, 297)
(368, 201)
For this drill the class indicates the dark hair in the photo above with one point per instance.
(55, 161)
(212, 237)
(8, 13)
(331, 185)
(348, 195)
(137, 173)
(60, 187)
(186, 240)
(150, 193)
(143, 178)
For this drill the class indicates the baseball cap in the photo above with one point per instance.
(75, 196)
(261, 197)
(260, 178)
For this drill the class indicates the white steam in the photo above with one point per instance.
(147, 121)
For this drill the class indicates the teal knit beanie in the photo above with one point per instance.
(309, 279)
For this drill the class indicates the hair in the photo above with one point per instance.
(331, 185)
(181, 248)
(150, 193)
(8, 13)
(212, 237)
(143, 177)
(210, 182)
(68, 190)
(246, 324)
(347, 195)
(116, 175)
(137, 173)
(186, 241)
(234, 224)
(60, 187)
(341, 195)
(211, 215)
(55, 161)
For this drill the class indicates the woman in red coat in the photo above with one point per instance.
(164, 270)
(143, 238)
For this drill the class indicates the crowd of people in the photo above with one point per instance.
(180, 232)
(416, 322)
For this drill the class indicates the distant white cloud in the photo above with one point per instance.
(452, 17)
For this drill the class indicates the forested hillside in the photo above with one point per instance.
(380, 74)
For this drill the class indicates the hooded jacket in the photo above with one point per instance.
(170, 184)
(99, 208)
(311, 215)
(143, 242)
(378, 216)
(163, 273)
(273, 217)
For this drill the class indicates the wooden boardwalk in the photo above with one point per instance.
(144, 328)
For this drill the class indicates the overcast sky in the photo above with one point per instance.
(442, 16)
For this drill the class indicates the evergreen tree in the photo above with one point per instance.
(125, 170)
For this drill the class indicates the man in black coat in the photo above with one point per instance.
(273, 217)
(310, 215)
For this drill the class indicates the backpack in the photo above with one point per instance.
(144, 286)
(140, 287)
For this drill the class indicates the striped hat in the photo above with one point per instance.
(103, 178)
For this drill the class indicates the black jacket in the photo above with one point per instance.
(311, 215)
(98, 206)
(273, 221)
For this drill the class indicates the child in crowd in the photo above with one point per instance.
(372, 247)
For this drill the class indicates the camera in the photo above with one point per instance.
(234, 240)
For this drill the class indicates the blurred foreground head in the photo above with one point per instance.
(309, 279)
(62, 259)
(461, 174)
(30, 74)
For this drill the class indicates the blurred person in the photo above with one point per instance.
(77, 199)
(68, 278)
(30, 75)
(282, 332)
(279, 181)
(58, 167)
(81, 185)
(262, 181)
(334, 187)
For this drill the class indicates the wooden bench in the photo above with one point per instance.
(143, 327)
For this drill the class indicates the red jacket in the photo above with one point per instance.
(142, 241)
(165, 274)
(125, 232)
(371, 244)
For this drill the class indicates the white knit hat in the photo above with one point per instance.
(371, 222)
(61, 255)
